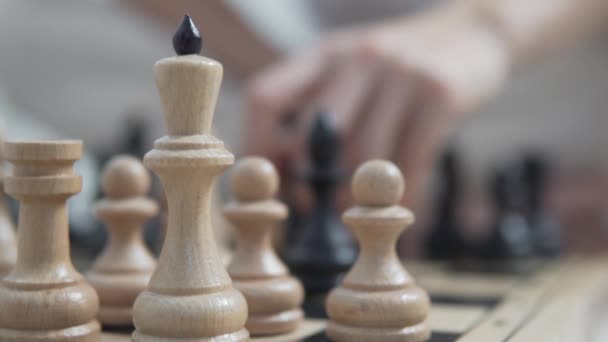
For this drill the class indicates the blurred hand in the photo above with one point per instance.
(395, 90)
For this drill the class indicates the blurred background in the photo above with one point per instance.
(510, 84)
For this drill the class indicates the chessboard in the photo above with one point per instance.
(539, 301)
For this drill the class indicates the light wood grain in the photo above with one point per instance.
(378, 300)
(468, 285)
(273, 296)
(125, 265)
(308, 328)
(190, 294)
(573, 309)
(455, 318)
(513, 310)
(8, 239)
(44, 298)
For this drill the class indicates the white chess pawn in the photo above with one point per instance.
(273, 296)
(378, 300)
(124, 267)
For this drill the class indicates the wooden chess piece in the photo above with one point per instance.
(510, 236)
(273, 296)
(44, 298)
(446, 240)
(123, 269)
(8, 239)
(190, 296)
(322, 250)
(378, 300)
(545, 228)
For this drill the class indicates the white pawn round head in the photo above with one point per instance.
(125, 176)
(378, 183)
(254, 179)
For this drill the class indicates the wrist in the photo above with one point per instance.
(488, 19)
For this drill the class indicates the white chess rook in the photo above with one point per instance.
(44, 298)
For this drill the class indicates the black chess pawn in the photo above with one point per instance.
(446, 239)
(510, 235)
(322, 250)
(545, 229)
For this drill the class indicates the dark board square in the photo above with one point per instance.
(435, 337)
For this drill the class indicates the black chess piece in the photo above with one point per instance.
(510, 235)
(446, 241)
(322, 249)
(136, 128)
(545, 229)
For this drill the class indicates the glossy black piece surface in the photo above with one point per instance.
(187, 39)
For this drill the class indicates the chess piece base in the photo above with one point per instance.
(280, 323)
(274, 304)
(339, 332)
(392, 310)
(53, 313)
(206, 316)
(117, 293)
(89, 332)
(241, 335)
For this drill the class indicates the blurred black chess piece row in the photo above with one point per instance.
(522, 226)
(446, 240)
(511, 233)
(545, 228)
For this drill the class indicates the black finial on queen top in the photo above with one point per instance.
(187, 39)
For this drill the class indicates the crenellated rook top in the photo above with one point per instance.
(43, 168)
